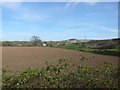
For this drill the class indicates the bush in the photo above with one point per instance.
(62, 76)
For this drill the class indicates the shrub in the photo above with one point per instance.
(61, 76)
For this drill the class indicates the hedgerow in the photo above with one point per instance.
(62, 75)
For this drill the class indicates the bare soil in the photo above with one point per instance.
(20, 58)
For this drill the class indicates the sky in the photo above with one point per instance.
(55, 21)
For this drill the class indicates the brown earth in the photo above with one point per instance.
(20, 58)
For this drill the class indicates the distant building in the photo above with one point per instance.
(20, 45)
(44, 45)
(58, 44)
(72, 41)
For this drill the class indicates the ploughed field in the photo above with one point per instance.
(20, 58)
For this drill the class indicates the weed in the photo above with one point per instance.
(61, 76)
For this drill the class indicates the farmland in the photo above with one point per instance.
(27, 64)
(20, 58)
(70, 63)
(72, 44)
(60, 64)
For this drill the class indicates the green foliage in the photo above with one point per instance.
(70, 47)
(62, 75)
(113, 52)
(74, 47)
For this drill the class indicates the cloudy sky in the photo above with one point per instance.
(59, 20)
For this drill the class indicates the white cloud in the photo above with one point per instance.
(12, 5)
(106, 28)
(25, 13)
(109, 29)
(70, 4)
(12, 0)
(91, 3)
(30, 17)
(73, 3)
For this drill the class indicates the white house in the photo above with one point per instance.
(44, 45)
(72, 41)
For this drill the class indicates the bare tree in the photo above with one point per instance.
(36, 40)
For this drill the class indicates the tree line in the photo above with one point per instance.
(34, 41)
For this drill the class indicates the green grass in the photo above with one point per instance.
(61, 76)
(112, 52)
(74, 47)
(70, 47)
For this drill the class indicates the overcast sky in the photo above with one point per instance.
(60, 20)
